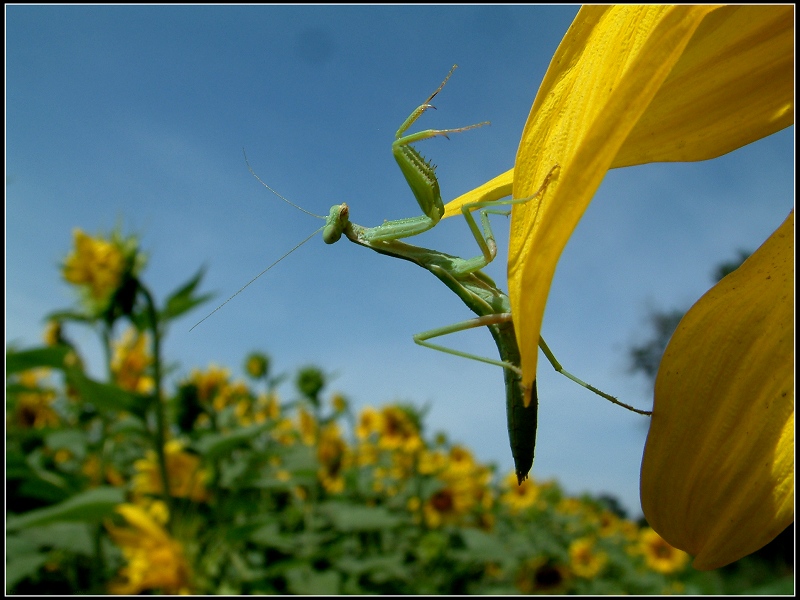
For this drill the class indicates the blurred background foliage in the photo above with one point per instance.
(157, 480)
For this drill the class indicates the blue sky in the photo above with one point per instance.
(139, 114)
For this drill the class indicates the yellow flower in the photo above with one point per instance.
(34, 408)
(519, 497)
(333, 455)
(95, 263)
(540, 576)
(155, 561)
(91, 469)
(131, 361)
(584, 560)
(232, 394)
(460, 461)
(431, 462)
(446, 506)
(659, 555)
(307, 426)
(398, 432)
(369, 421)
(186, 478)
(266, 408)
(284, 432)
(570, 506)
(103, 267)
(636, 84)
(209, 383)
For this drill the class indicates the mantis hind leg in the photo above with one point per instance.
(559, 369)
(484, 321)
(521, 419)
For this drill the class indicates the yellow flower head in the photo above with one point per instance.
(155, 561)
(659, 555)
(369, 421)
(267, 408)
(519, 497)
(333, 455)
(585, 561)
(131, 361)
(541, 576)
(100, 266)
(398, 431)
(186, 478)
(209, 382)
(431, 462)
(34, 408)
(460, 461)
(445, 507)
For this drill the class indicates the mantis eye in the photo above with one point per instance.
(336, 222)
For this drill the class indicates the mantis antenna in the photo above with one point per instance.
(282, 257)
(257, 276)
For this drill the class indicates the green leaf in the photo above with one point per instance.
(52, 357)
(44, 486)
(89, 506)
(73, 440)
(306, 581)
(128, 425)
(482, 545)
(780, 587)
(349, 517)
(270, 536)
(105, 396)
(181, 300)
(382, 568)
(73, 537)
(68, 315)
(22, 566)
(214, 445)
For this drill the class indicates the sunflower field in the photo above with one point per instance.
(149, 481)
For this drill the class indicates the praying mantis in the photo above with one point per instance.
(463, 276)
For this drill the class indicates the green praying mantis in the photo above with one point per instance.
(463, 276)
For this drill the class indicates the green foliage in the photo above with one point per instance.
(268, 496)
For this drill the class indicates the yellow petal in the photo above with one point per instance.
(494, 189)
(141, 520)
(608, 68)
(734, 84)
(718, 468)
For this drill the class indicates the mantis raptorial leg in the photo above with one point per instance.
(463, 276)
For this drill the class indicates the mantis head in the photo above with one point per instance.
(337, 220)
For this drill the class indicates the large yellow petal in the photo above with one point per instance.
(734, 84)
(718, 468)
(608, 68)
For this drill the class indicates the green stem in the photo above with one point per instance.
(161, 420)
